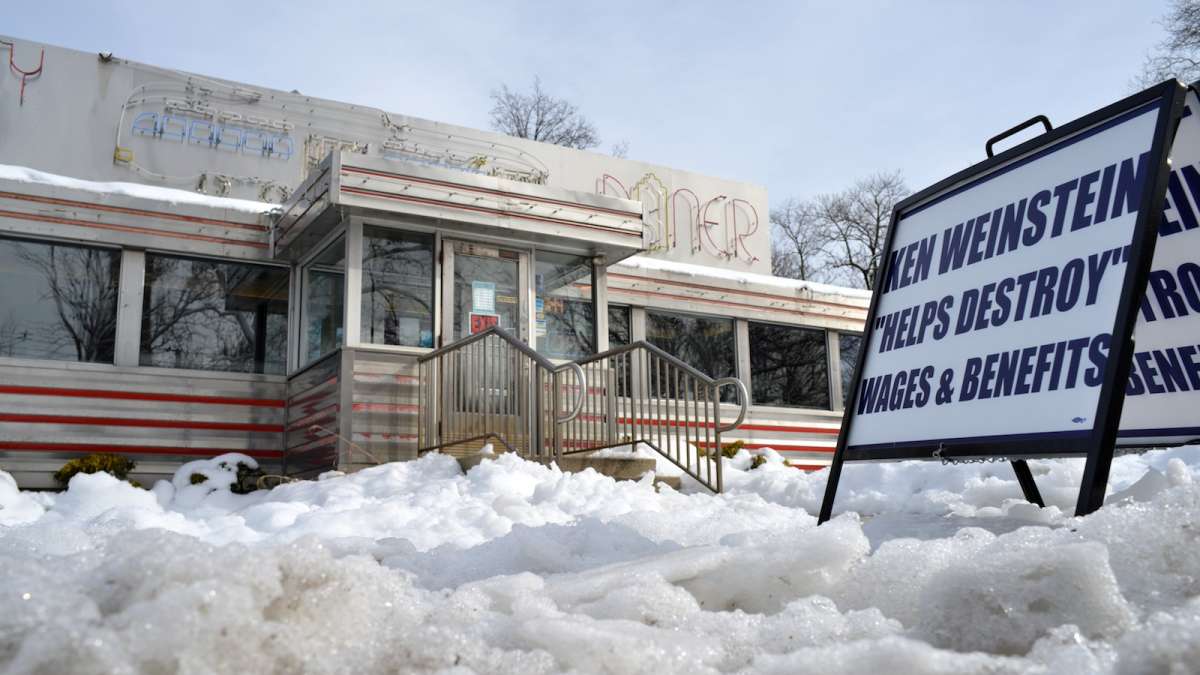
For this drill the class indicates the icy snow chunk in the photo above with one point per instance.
(1006, 596)
(15, 506)
(1167, 643)
(893, 655)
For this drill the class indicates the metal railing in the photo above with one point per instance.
(640, 394)
(491, 386)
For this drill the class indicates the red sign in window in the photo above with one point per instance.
(482, 322)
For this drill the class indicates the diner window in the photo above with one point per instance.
(619, 332)
(788, 366)
(58, 301)
(565, 315)
(705, 343)
(848, 345)
(324, 302)
(397, 288)
(214, 315)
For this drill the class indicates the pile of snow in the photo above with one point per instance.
(171, 196)
(515, 567)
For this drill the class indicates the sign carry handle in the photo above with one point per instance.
(1045, 121)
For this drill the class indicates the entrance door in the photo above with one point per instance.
(484, 286)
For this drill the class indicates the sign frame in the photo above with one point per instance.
(1097, 444)
(1160, 437)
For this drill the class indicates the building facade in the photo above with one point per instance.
(191, 266)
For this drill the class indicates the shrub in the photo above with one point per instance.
(114, 465)
(247, 478)
(731, 449)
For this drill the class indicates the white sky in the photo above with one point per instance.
(801, 97)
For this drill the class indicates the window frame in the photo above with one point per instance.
(299, 274)
(829, 391)
(694, 315)
(51, 240)
(592, 297)
(435, 278)
(138, 314)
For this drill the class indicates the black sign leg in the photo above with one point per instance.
(1095, 482)
(835, 474)
(1025, 478)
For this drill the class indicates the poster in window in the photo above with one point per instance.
(481, 322)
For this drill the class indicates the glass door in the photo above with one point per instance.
(485, 286)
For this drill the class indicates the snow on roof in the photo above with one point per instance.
(23, 174)
(659, 265)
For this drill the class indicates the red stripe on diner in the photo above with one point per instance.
(141, 396)
(387, 407)
(780, 448)
(133, 212)
(744, 427)
(480, 209)
(24, 446)
(688, 298)
(458, 187)
(799, 430)
(686, 284)
(132, 229)
(149, 424)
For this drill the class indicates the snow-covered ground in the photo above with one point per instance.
(519, 568)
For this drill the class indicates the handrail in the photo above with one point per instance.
(499, 332)
(657, 351)
(743, 400)
(582, 379)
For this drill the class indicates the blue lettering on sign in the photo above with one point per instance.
(219, 136)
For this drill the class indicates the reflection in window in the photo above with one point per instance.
(788, 366)
(324, 298)
(209, 315)
(619, 333)
(58, 301)
(705, 343)
(486, 290)
(397, 291)
(566, 318)
(849, 346)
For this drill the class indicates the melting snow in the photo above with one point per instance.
(516, 567)
(23, 174)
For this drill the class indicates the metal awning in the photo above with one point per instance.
(456, 202)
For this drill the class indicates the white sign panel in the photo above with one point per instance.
(1162, 401)
(995, 319)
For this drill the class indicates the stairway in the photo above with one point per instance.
(491, 388)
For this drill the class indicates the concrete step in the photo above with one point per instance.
(674, 482)
(620, 468)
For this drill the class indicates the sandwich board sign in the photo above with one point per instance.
(1006, 299)
(1162, 399)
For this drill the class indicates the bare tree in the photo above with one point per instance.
(857, 220)
(538, 116)
(1178, 55)
(798, 241)
(81, 284)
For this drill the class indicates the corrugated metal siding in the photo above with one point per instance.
(806, 438)
(313, 417)
(386, 405)
(50, 413)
